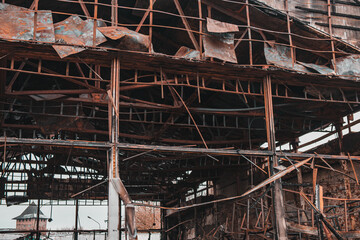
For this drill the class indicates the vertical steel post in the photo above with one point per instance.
(249, 32)
(38, 220)
(331, 35)
(278, 201)
(114, 12)
(120, 219)
(76, 219)
(2, 89)
(200, 29)
(151, 6)
(35, 18)
(95, 22)
(164, 225)
(289, 33)
(113, 198)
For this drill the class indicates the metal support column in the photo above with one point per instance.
(278, 201)
(76, 220)
(113, 198)
(38, 221)
(2, 88)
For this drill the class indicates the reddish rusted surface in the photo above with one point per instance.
(348, 66)
(280, 56)
(219, 48)
(187, 53)
(129, 40)
(75, 31)
(220, 27)
(17, 23)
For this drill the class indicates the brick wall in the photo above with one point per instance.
(30, 224)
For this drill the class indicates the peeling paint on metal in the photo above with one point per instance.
(187, 53)
(216, 26)
(220, 46)
(318, 68)
(17, 23)
(76, 31)
(348, 66)
(130, 40)
(281, 56)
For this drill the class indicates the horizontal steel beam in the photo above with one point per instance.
(172, 149)
(129, 146)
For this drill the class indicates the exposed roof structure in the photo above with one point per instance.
(158, 98)
(30, 213)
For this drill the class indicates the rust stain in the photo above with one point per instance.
(219, 47)
(17, 23)
(216, 26)
(280, 56)
(348, 66)
(129, 40)
(187, 53)
(76, 31)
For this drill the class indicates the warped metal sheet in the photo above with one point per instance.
(220, 46)
(74, 30)
(318, 68)
(46, 97)
(130, 40)
(187, 53)
(216, 26)
(281, 56)
(18, 23)
(348, 66)
(129, 207)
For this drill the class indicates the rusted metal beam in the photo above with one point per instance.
(158, 148)
(47, 92)
(186, 24)
(248, 23)
(49, 72)
(38, 221)
(76, 220)
(235, 15)
(146, 14)
(113, 168)
(84, 8)
(114, 12)
(79, 231)
(327, 135)
(322, 216)
(278, 200)
(2, 89)
(9, 86)
(312, 231)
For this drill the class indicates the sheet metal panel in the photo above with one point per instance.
(17, 23)
(216, 26)
(318, 68)
(129, 40)
(348, 66)
(298, 9)
(281, 56)
(220, 46)
(74, 30)
(187, 53)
